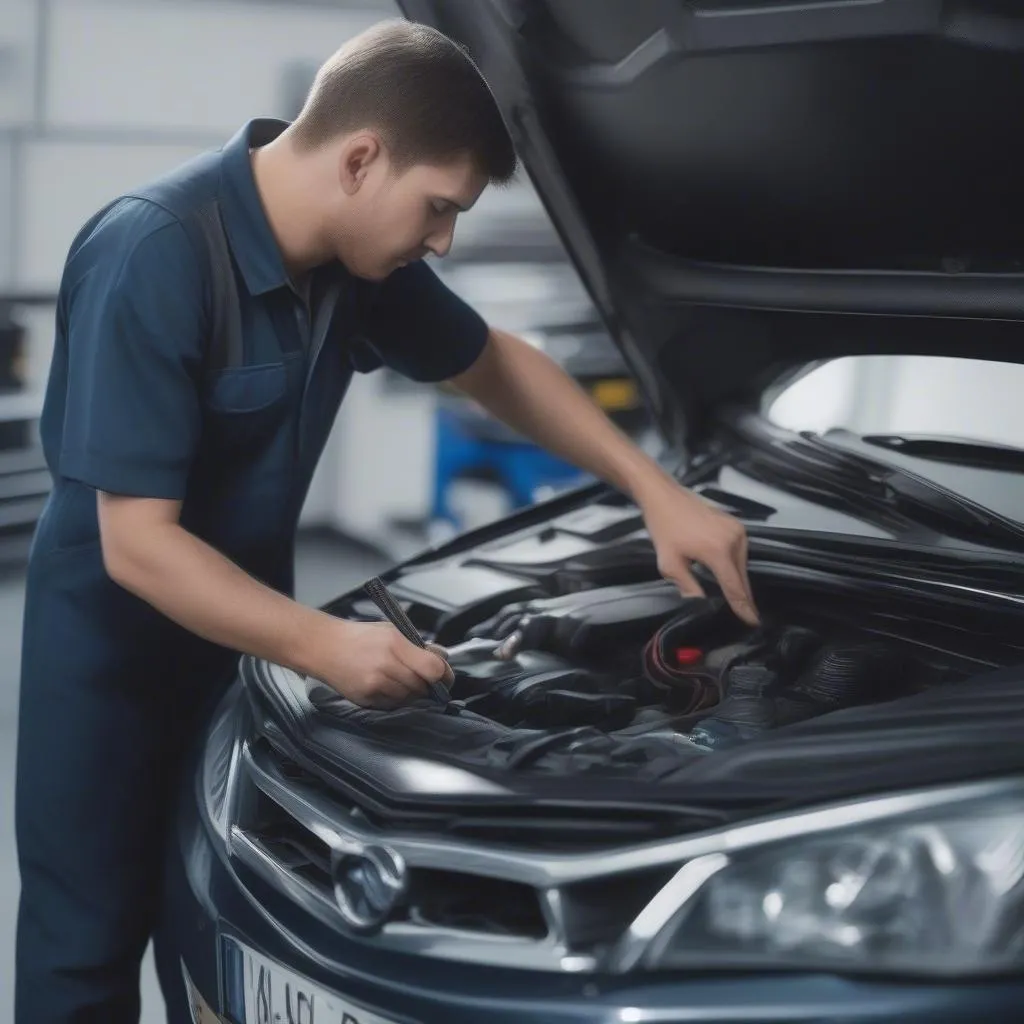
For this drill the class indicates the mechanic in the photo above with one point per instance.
(166, 546)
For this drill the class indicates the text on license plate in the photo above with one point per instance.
(261, 991)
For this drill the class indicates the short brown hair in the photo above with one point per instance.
(419, 90)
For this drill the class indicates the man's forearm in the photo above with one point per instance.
(207, 594)
(533, 395)
(537, 398)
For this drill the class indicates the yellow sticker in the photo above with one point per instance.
(615, 394)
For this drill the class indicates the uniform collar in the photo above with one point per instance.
(252, 242)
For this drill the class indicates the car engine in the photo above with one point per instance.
(572, 656)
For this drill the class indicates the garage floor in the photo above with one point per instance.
(325, 567)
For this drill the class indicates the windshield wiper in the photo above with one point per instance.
(828, 473)
(959, 452)
(925, 501)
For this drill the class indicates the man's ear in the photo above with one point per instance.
(359, 153)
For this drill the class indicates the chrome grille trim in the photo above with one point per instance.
(329, 823)
(256, 856)
(667, 904)
(401, 937)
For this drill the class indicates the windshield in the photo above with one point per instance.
(914, 395)
(883, 407)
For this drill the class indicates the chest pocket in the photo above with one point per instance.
(246, 408)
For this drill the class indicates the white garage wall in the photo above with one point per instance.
(130, 88)
(949, 397)
(18, 19)
(183, 68)
(911, 395)
(17, 90)
(381, 460)
(6, 222)
(818, 401)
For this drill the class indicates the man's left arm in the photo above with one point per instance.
(530, 393)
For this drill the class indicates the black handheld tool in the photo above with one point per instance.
(379, 594)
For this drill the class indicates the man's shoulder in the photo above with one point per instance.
(184, 189)
(127, 231)
(154, 216)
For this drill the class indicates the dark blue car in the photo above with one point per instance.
(633, 808)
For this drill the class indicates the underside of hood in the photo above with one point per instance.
(748, 188)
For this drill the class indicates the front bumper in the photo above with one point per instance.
(206, 906)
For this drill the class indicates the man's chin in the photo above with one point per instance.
(368, 274)
(380, 272)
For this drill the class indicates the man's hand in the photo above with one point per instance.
(373, 665)
(686, 529)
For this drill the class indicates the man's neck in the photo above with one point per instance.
(287, 184)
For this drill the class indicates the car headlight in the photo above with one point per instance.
(937, 892)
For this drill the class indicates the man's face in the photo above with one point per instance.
(394, 217)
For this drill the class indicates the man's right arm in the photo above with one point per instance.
(147, 551)
(132, 428)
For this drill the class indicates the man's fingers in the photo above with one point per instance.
(429, 666)
(745, 577)
(387, 695)
(732, 578)
(684, 579)
(449, 676)
(403, 676)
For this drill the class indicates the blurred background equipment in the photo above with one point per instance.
(470, 444)
(24, 478)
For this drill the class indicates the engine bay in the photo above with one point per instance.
(573, 657)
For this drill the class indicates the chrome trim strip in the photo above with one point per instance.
(226, 719)
(880, 579)
(553, 910)
(472, 947)
(546, 954)
(665, 905)
(996, 595)
(547, 871)
(254, 855)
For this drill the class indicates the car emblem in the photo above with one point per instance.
(368, 886)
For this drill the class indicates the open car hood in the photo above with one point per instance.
(748, 188)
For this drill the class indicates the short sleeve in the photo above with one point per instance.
(421, 329)
(134, 325)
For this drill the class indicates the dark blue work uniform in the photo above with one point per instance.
(110, 688)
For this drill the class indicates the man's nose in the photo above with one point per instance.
(440, 242)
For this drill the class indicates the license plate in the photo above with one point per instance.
(261, 991)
